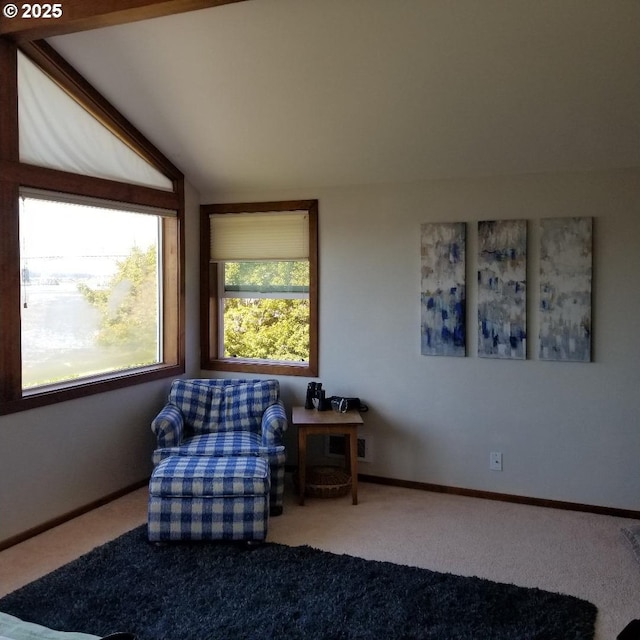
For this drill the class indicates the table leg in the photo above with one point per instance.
(302, 463)
(353, 454)
(347, 453)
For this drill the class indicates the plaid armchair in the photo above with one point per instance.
(225, 417)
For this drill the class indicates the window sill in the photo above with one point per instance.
(52, 394)
(276, 368)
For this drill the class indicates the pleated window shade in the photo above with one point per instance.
(259, 236)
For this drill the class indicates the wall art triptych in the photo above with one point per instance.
(565, 255)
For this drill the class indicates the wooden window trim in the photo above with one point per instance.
(209, 298)
(82, 15)
(16, 174)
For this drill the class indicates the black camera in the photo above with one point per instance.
(341, 405)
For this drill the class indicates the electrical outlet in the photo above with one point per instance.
(495, 461)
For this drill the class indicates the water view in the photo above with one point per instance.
(89, 301)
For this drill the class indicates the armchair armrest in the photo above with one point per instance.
(274, 424)
(168, 426)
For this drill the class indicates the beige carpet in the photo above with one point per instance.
(579, 554)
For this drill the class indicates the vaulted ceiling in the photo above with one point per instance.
(277, 94)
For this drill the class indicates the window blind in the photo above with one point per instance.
(86, 201)
(259, 236)
(56, 132)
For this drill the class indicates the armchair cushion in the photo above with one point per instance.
(225, 444)
(208, 406)
(198, 402)
(244, 404)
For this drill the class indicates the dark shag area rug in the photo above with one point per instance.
(199, 591)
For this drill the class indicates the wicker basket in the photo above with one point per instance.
(327, 482)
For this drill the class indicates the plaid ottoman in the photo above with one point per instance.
(207, 498)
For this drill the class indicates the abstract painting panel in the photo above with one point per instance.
(502, 274)
(443, 295)
(565, 289)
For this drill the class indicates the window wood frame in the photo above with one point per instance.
(210, 298)
(81, 15)
(15, 174)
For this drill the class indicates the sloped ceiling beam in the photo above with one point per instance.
(82, 15)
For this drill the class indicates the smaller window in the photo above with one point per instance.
(259, 268)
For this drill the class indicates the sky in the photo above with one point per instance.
(81, 238)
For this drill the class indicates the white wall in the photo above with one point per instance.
(568, 431)
(59, 458)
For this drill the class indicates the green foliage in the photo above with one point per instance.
(267, 276)
(267, 328)
(129, 304)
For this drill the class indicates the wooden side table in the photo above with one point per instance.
(312, 422)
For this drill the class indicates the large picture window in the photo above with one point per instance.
(90, 297)
(259, 273)
(91, 240)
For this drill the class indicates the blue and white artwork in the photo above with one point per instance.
(566, 257)
(502, 289)
(443, 295)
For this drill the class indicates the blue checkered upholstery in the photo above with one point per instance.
(198, 403)
(244, 404)
(225, 417)
(225, 444)
(168, 426)
(207, 498)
